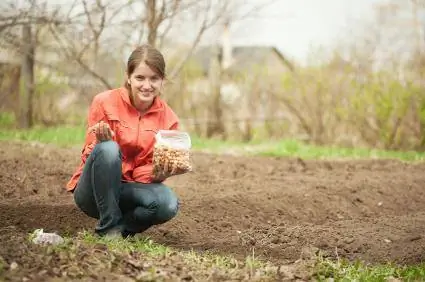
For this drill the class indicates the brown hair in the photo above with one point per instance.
(150, 56)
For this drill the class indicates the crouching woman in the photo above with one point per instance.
(114, 181)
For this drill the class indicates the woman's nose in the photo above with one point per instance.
(146, 84)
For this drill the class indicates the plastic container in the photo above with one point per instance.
(172, 152)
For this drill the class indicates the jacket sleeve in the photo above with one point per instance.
(95, 115)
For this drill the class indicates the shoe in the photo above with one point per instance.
(127, 234)
(114, 233)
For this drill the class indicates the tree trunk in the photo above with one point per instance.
(27, 79)
(152, 22)
(215, 124)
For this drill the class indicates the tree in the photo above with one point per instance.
(27, 78)
(87, 40)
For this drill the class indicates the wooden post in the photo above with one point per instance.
(27, 79)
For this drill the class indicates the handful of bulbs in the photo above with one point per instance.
(172, 152)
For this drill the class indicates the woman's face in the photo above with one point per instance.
(145, 86)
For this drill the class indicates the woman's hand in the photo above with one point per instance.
(103, 131)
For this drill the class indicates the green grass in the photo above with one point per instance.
(294, 148)
(64, 136)
(74, 135)
(343, 270)
(320, 269)
(149, 256)
(144, 245)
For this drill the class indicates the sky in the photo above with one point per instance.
(297, 26)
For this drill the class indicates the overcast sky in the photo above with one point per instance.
(294, 26)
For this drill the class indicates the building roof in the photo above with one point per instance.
(243, 56)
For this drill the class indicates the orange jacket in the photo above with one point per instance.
(135, 133)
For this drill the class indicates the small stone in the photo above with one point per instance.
(414, 238)
(187, 277)
(349, 240)
(13, 266)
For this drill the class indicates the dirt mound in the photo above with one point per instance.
(372, 210)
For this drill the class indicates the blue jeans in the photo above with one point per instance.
(130, 207)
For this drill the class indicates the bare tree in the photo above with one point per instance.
(27, 74)
(86, 41)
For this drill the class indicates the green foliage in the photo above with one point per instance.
(7, 119)
(48, 90)
(384, 102)
(339, 104)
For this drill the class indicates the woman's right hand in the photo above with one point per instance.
(103, 131)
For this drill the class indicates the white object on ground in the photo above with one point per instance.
(40, 237)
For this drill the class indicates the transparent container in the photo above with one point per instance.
(172, 152)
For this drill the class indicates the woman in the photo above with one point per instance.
(114, 181)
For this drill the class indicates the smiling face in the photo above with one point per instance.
(145, 85)
(145, 76)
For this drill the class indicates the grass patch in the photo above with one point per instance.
(87, 255)
(145, 245)
(64, 136)
(294, 148)
(151, 249)
(343, 270)
(74, 136)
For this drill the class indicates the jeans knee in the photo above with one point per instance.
(85, 204)
(109, 151)
(167, 210)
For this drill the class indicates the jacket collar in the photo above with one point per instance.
(157, 104)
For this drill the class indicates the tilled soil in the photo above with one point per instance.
(277, 208)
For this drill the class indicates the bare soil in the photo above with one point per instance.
(278, 208)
